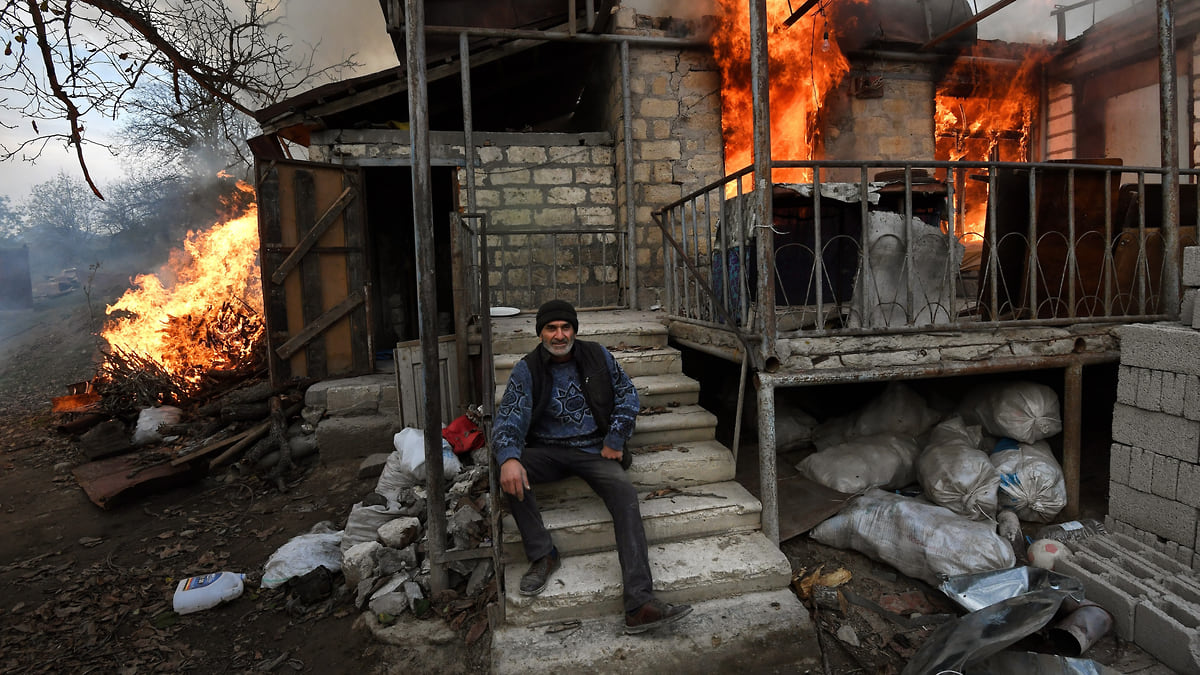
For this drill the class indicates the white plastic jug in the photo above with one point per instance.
(205, 592)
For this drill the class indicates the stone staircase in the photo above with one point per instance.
(706, 547)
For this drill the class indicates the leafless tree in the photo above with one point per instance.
(66, 61)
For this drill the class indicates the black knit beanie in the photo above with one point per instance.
(556, 310)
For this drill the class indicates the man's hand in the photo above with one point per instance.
(513, 480)
(608, 453)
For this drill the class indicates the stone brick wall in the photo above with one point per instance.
(676, 129)
(535, 184)
(887, 115)
(1154, 472)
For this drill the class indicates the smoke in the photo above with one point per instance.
(1031, 20)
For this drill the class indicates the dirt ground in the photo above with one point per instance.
(89, 590)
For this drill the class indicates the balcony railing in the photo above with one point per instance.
(948, 245)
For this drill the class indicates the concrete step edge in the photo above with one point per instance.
(688, 571)
(764, 631)
(678, 465)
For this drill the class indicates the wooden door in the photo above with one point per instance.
(315, 275)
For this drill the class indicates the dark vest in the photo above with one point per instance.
(594, 376)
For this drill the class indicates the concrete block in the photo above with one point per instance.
(1169, 435)
(1161, 346)
(1191, 266)
(1162, 517)
(1170, 631)
(1191, 396)
(1127, 383)
(1149, 389)
(340, 438)
(1172, 393)
(1187, 308)
(1118, 594)
(372, 466)
(1166, 475)
(1118, 463)
(1141, 469)
(353, 399)
(519, 154)
(1187, 491)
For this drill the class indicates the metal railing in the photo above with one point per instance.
(948, 245)
(528, 266)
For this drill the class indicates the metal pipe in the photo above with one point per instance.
(460, 242)
(1169, 131)
(418, 116)
(487, 366)
(557, 36)
(767, 473)
(630, 212)
(741, 404)
(1072, 433)
(966, 24)
(760, 94)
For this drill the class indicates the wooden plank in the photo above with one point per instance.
(270, 234)
(311, 283)
(322, 322)
(310, 238)
(358, 276)
(217, 445)
(410, 380)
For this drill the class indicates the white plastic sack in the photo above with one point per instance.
(410, 443)
(793, 427)
(393, 479)
(148, 421)
(898, 410)
(303, 554)
(882, 460)
(1024, 411)
(956, 474)
(364, 522)
(1031, 481)
(918, 539)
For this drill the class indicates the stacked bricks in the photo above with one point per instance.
(546, 183)
(355, 417)
(1153, 598)
(1154, 488)
(675, 98)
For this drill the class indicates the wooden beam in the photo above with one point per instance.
(310, 238)
(322, 322)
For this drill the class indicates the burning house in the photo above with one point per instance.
(938, 207)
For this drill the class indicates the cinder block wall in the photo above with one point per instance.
(1154, 472)
(676, 135)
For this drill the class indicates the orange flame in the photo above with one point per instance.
(186, 325)
(805, 63)
(985, 113)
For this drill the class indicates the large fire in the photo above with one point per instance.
(805, 63)
(985, 112)
(206, 317)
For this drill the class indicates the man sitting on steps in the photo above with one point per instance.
(568, 410)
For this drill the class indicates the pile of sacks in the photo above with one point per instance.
(968, 469)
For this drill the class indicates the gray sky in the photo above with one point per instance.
(356, 26)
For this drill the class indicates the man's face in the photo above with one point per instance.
(558, 337)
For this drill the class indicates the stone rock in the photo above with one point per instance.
(410, 632)
(846, 634)
(393, 560)
(372, 466)
(393, 603)
(359, 562)
(479, 577)
(400, 532)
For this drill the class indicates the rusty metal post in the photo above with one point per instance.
(1072, 426)
(1169, 133)
(767, 471)
(418, 118)
(460, 242)
(760, 94)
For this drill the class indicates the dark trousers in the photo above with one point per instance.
(610, 482)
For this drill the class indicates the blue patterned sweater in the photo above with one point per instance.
(568, 420)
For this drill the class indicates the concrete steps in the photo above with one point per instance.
(581, 524)
(702, 527)
(589, 586)
(767, 631)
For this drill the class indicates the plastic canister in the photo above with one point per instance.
(205, 592)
